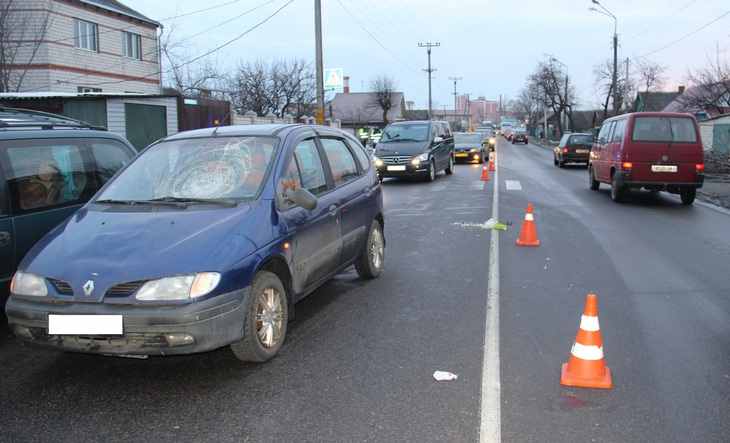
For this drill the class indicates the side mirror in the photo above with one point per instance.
(438, 139)
(303, 198)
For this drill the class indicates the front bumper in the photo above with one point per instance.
(148, 330)
(411, 171)
(468, 156)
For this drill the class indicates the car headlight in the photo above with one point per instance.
(492, 141)
(25, 283)
(378, 162)
(183, 287)
(474, 150)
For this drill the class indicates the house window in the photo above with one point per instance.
(132, 45)
(86, 35)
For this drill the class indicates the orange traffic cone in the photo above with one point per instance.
(491, 165)
(485, 174)
(586, 367)
(528, 233)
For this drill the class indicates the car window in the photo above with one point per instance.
(342, 163)
(109, 157)
(564, 140)
(290, 181)
(447, 130)
(603, 134)
(310, 167)
(362, 157)
(618, 131)
(664, 129)
(581, 140)
(417, 132)
(47, 173)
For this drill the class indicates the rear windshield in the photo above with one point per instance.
(461, 138)
(581, 140)
(664, 129)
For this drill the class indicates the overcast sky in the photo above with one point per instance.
(492, 44)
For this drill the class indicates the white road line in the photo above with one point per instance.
(490, 426)
(513, 185)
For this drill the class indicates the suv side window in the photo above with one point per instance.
(362, 157)
(618, 132)
(342, 163)
(47, 173)
(447, 130)
(310, 167)
(109, 157)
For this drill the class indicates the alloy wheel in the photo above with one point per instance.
(269, 317)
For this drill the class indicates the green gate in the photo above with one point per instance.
(145, 124)
(721, 138)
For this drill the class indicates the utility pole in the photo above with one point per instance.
(428, 46)
(455, 79)
(319, 114)
(615, 73)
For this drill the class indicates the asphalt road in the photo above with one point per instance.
(359, 359)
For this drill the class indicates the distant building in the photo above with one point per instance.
(360, 109)
(88, 46)
(655, 101)
(480, 109)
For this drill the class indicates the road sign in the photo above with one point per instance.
(334, 80)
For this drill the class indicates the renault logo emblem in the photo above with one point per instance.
(89, 287)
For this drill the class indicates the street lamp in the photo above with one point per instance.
(567, 72)
(614, 82)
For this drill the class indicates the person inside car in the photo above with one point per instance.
(43, 189)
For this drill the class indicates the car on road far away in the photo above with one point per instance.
(657, 151)
(206, 239)
(469, 147)
(415, 149)
(519, 136)
(50, 165)
(573, 148)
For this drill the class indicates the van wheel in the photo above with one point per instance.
(594, 184)
(370, 263)
(617, 192)
(264, 324)
(431, 174)
(450, 169)
(688, 196)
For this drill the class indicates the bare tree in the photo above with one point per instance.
(384, 94)
(651, 75)
(250, 88)
(710, 89)
(554, 91)
(603, 75)
(293, 87)
(22, 33)
(187, 79)
(528, 105)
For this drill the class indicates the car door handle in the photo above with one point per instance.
(4, 238)
(333, 210)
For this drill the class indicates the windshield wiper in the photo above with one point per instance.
(404, 140)
(139, 202)
(228, 202)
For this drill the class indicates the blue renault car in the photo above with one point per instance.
(207, 239)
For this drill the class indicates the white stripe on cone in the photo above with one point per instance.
(584, 352)
(530, 217)
(589, 323)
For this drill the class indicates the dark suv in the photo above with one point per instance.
(50, 165)
(415, 149)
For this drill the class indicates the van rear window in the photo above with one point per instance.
(664, 129)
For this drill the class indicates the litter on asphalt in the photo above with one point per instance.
(444, 376)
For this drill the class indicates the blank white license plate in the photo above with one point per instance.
(581, 151)
(663, 168)
(85, 325)
(397, 168)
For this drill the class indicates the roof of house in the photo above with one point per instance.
(46, 95)
(118, 7)
(361, 107)
(655, 101)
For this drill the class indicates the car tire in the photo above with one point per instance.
(431, 174)
(592, 182)
(617, 192)
(688, 196)
(268, 301)
(555, 160)
(450, 169)
(372, 258)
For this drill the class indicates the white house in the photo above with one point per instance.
(86, 46)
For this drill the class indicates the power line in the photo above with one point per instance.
(372, 36)
(701, 28)
(673, 14)
(207, 53)
(209, 8)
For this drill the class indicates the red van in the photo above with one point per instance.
(657, 151)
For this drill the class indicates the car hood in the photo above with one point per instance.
(122, 246)
(401, 148)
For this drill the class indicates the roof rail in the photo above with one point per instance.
(62, 120)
